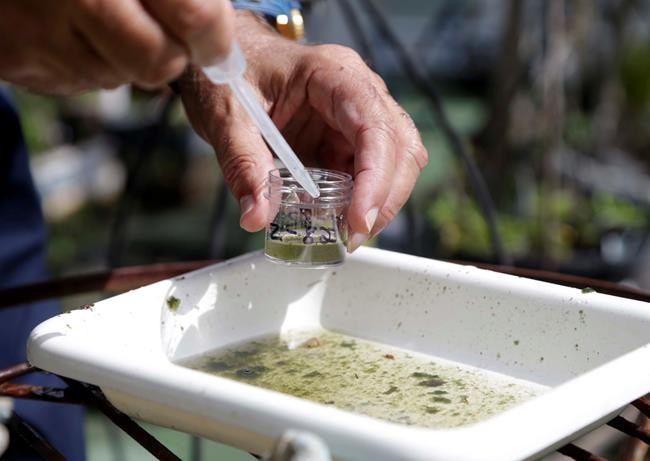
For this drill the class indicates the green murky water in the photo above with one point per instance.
(368, 378)
(298, 252)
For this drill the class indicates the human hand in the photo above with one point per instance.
(332, 109)
(67, 46)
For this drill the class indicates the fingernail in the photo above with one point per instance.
(377, 232)
(246, 204)
(371, 217)
(356, 240)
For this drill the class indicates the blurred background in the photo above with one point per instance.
(536, 116)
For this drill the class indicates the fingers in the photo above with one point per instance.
(97, 72)
(305, 131)
(338, 114)
(80, 44)
(151, 42)
(354, 107)
(388, 152)
(335, 152)
(244, 158)
(205, 27)
(59, 71)
(412, 158)
(374, 167)
(245, 162)
(124, 34)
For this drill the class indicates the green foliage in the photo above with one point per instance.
(557, 223)
(461, 226)
(611, 212)
(578, 130)
(79, 239)
(38, 117)
(635, 75)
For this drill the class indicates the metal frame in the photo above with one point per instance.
(133, 277)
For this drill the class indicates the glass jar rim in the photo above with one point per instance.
(335, 187)
(333, 177)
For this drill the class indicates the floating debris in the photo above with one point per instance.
(312, 343)
(173, 303)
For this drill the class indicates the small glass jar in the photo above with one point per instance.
(305, 231)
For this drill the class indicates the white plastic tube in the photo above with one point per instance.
(231, 71)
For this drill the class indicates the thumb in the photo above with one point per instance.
(245, 162)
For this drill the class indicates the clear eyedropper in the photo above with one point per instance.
(231, 71)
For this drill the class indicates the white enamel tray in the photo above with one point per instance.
(592, 350)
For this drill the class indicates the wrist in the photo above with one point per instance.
(259, 40)
(284, 15)
(252, 29)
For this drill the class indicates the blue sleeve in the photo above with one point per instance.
(23, 260)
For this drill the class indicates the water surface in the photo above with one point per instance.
(368, 378)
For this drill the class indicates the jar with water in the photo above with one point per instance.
(306, 231)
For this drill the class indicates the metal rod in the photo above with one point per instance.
(643, 405)
(630, 428)
(16, 371)
(579, 454)
(116, 280)
(33, 439)
(634, 449)
(95, 397)
(41, 393)
(575, 281)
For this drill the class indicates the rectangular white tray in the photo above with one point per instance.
(592, 350)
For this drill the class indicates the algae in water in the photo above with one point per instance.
(368, 378)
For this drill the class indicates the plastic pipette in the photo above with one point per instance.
(231, 71)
